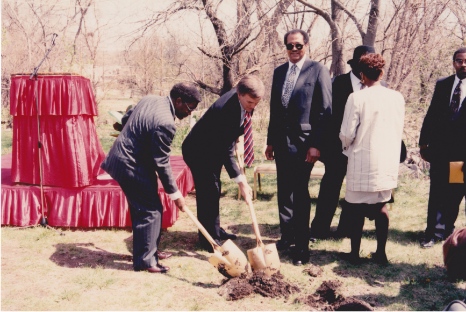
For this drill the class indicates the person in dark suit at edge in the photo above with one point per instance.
(139, 154)
(300, 107)
(211, 144)
(335, 161)
(443, 130)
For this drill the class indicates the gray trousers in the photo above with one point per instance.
(146, 212)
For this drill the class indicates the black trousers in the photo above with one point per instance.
(329, 195)
(294, 202)
(146, 212)
(444, 202)
(208, 189)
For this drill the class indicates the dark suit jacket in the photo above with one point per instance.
(443, 136)
(295, 129)
(212, 139)
(143, 146)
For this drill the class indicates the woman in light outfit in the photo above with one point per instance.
(371, 134)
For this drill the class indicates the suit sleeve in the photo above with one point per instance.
(230, 163)
(349, 126)
(428, 126)
(272, 120)
(161, 147)
(126, 116)
(322, 107)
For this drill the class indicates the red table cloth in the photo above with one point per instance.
(102, 204)
(71, 152)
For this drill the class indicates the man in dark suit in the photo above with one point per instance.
(442, 132)
(139, 154)
(211, 144)
(300, 107)
(335, 161)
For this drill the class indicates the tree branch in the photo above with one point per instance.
(351, 15)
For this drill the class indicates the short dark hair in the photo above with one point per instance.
(295, 31)
(460, 50)
(251, 85)
(371, 65)
(186, 91)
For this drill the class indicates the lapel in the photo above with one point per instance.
(349, 83)
(307, 66)
(448, 90)
(282, 76)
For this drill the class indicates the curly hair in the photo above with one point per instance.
(371, 65)
(186, 91)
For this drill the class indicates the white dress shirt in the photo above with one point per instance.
(355, 82)
(299, 65)
(463, 90)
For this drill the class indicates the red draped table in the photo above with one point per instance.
(71, 153)
(103, 204)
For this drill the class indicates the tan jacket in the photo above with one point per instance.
(371, 134)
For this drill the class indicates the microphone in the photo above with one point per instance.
(53, 38)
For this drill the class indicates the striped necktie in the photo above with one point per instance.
(248, 142)
(455, 101)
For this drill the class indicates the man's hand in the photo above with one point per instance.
(422, 150)
(246, 190)
(180, 203)
(269, 153)
(313, 155)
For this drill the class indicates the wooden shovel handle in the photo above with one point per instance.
(201, 228)
(254, 223)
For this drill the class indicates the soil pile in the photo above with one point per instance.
(258, 283)
(326, 299)
(313, 270)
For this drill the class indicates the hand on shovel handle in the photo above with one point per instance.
(180, 203)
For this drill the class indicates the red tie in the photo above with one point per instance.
(248, 142)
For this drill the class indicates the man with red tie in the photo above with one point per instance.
(442, 134)
(210, 145)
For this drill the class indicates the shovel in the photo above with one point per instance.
(228, 258)
(263, 257)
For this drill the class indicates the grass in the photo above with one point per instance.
(91, 269)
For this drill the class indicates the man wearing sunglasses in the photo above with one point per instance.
(442, 134)
(300, 107)
(139, 154)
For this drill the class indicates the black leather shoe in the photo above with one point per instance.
(224, 235)
(163, 255)
(207, 246)
(301, 257)
(429, 243)
(283, 244)
(157, 269)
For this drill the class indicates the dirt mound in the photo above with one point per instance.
(326, 299)
(313, 270)
(258, 283)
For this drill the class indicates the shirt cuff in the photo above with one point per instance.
(175, 195)
(240, 178)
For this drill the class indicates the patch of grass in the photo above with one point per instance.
(96, 277)
(7, 141)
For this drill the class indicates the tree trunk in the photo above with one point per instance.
(338, 62)
(369, 38)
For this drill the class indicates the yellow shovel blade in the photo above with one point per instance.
(272, 260)
(256, 258)
(237, 259)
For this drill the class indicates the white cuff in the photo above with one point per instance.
(240, 178)
(175, 195)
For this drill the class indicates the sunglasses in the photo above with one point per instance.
(298, 46)
(189, 108)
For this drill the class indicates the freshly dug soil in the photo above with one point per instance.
(258, 283)
(326, 299)
(313, 270)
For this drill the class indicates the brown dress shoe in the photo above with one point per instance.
(163, 255)
(157, 269)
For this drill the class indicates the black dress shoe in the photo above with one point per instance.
(379, 259)
(224, 235)
(163, 255)
(301, 257)
(157, 269)
(207, 246)
(283, 244)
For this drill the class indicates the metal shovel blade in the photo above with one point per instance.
(228, 258)
(272, 260)
(256, 258)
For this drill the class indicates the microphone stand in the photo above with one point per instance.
(43, 219)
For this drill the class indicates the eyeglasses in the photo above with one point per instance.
(298, 46)
(189, 108)
(460, 62)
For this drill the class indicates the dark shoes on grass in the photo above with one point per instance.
(159, 268)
